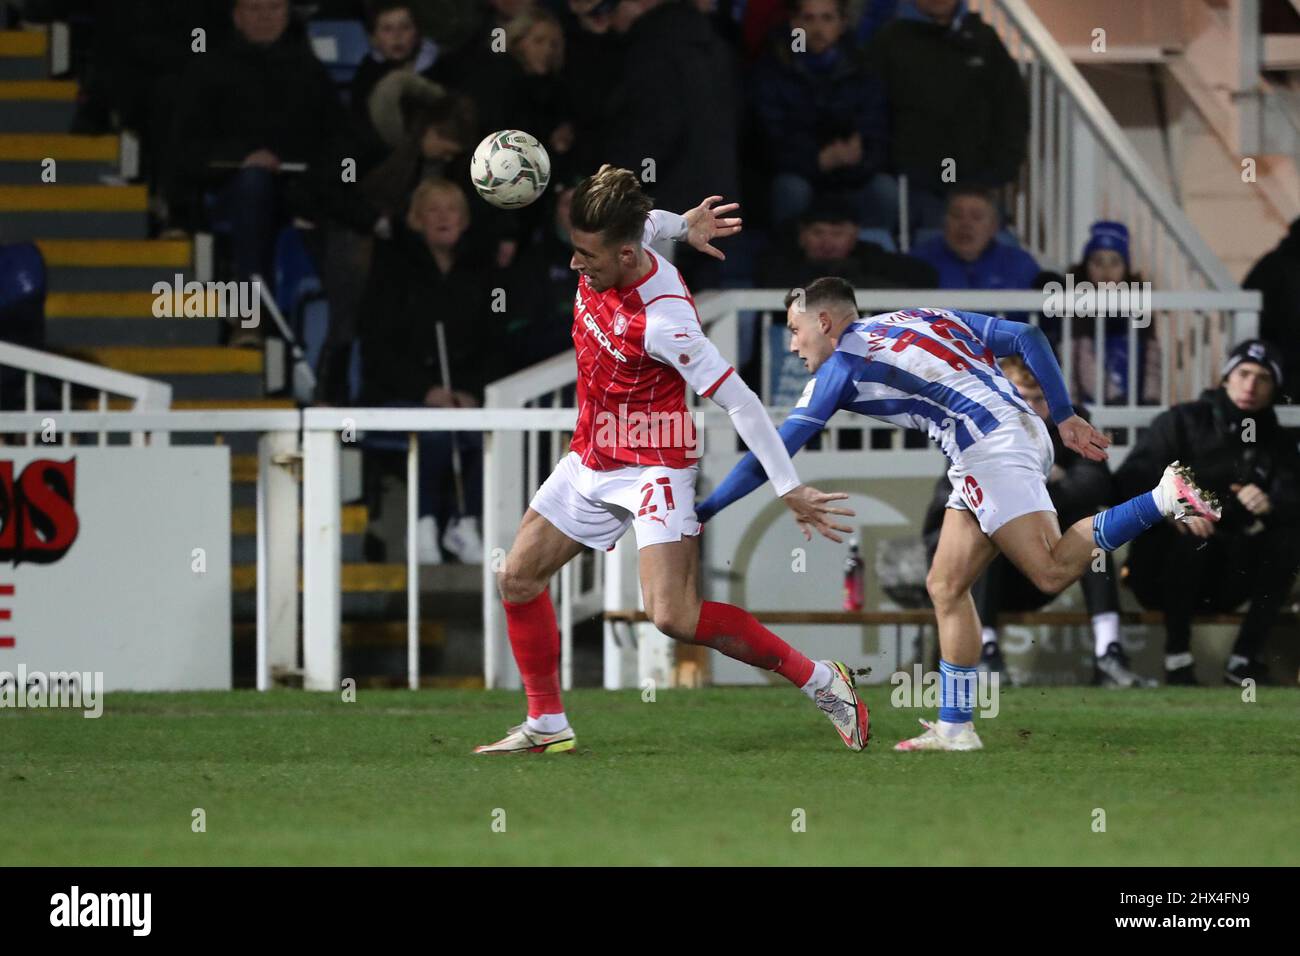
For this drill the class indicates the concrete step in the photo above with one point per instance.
(69, 212)
(158, 361)
(38, 106)
(24, 55)
(103, 265)
(76, 332)
(353, 519)
(77, 159)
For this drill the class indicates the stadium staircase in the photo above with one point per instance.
(92, 226)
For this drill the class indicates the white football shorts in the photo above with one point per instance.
(595, 508)
(1004, 474)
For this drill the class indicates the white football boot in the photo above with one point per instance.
(846, 710)
(1188, 499)
(935, 739)
(521, 740)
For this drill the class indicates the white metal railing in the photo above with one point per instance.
(145, 394)
(1082, 167)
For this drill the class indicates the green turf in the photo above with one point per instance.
(1185, 776)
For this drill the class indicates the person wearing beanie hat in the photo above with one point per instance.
(1232, 438)
(1106, 259)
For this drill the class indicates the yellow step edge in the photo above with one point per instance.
(354, 578)
(24, 43)
(34, 147)
(353, 520)
(176, 253)
(215, 404)
(108, 305)
(243, 469)
(59, 90)
(176, 360)
(53, 198)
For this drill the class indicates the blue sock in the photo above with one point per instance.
(1120, 525)
(956, 692)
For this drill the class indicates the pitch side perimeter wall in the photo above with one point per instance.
(117, 560)
(751, 557)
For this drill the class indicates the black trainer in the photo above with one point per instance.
(1184, 676)
(1251, 670)
(1113, 670)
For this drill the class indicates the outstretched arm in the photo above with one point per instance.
(749, 474)
(698, 226)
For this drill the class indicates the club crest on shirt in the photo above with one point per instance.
(620, 324)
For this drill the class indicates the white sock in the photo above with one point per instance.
(821, 677)
(1162, 501)
(1105, 631)
(1175, 661)
(548, 723)
(988, 635)
(950, 729)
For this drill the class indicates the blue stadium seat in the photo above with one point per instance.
(880, 237)
(341, 45)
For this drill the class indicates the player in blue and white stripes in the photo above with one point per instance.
(936, 370)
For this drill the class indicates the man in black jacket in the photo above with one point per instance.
(1078, 488)
(674, 103)
(245, 111)
(954, 93)
(1232, 438)
(1277, 275)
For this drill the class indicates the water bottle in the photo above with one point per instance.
(854, 588)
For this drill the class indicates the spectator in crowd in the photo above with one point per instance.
(592, 51)
(244, 112)
(140, 50)
(23, 281)
(1277, 275)
(485, 17)
(540, 290)
(827, 243)
(822, 117)
(524, 89)
(421, 280)
(427, 134)
(672, 118)
(968, 255)
(1231, 437)
(1106, 261)
(956, 100)
(396, 44)
(1078, 488)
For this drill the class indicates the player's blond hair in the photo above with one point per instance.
(612, 204)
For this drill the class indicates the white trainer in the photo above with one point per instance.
(521, 740)
(935, 739)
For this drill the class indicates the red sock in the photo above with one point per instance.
(535, 638)
(733, 631)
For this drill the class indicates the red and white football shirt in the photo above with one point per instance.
(638, 347)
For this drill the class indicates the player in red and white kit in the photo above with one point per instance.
(632, 463)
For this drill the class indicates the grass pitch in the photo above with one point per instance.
(1185, 776)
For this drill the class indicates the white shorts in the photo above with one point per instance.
(1004, 475)
(595, 507)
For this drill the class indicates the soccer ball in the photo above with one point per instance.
(510, 169)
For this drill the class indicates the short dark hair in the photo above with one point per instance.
(453, 116)
(979, 192)
(828, 290)
(374, 9)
